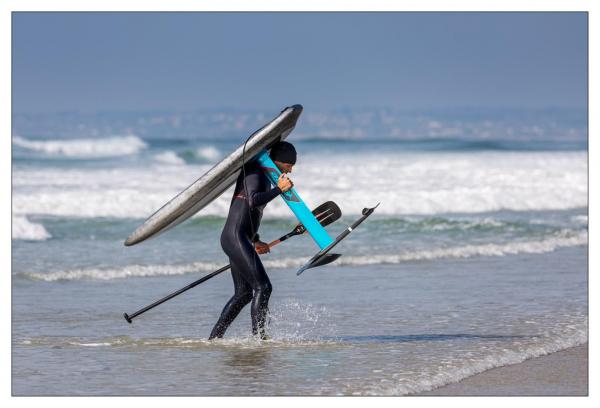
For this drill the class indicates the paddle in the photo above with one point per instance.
(326, 213)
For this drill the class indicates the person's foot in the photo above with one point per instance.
(262, 336)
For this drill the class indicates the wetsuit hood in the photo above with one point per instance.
(284, 152)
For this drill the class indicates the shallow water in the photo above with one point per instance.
(386, 329)
(476, 257)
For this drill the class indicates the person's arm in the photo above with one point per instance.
(258, 198)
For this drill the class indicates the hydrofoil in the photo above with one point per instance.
(308, 219)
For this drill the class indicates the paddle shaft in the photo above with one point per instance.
(194, 284)
(326, 213)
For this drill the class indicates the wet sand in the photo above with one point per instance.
(561, 373)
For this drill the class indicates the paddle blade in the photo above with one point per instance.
(326, 213)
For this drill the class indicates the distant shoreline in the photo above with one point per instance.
(562, 373)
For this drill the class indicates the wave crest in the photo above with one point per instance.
(564, 239)
(84, 148)
(24, 229)
(169, 157)
(413, 185)
(209, 153)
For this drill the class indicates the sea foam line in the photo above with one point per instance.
(422, 184)
(247, 342)
(103, 147)
(466, 251)
(572, 337)
(469, 251)
(138, 271)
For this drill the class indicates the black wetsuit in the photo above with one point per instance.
(249, 277)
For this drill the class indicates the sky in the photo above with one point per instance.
(94, 62)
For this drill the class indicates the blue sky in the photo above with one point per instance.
(187, 61)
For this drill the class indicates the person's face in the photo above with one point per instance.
(284, 167)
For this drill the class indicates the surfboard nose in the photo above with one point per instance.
(296, 110)
(291, 115)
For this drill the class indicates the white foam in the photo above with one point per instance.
(573, 336)
(580, 219)
(468, 251)
(84, 148)
(448, 182)
(403, 183)
(115, 192)
(91, 344)
(565, 239)
(210, 153)
(124, 272)
(237, 342)
(24, 229)
(169, 157)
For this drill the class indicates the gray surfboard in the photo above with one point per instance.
(215, 181)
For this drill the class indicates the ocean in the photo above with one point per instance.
(476, 257)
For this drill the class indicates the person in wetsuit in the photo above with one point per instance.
(241, 242)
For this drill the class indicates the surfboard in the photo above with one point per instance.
(216, 180)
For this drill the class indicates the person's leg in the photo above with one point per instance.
(241, 297)
(260, 305)
(250, 270)
(256, 276)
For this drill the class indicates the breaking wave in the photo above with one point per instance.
(169, 157)
(404, 184)
(566, 239)
(24, 229)
(84, 148)
(209, 153)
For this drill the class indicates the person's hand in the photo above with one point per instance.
(261, 247)
(284, 183)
